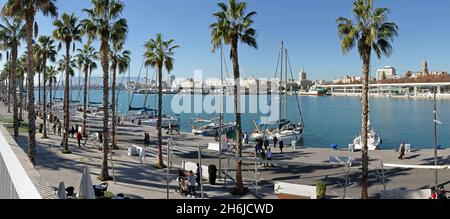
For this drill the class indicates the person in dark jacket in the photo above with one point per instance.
(275, 141)
(281, 146)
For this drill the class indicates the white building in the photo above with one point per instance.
(170, 79)
(386, 73)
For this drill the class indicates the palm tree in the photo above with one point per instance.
(85, 58)
(369, 31)
(27, 10)
(119, 62)
(51, 78)
(159, 55)
(5, 45)
(21, 71)
(104, 22)
(68, 31)
(46, 51)
(12, 33)
(234, 25)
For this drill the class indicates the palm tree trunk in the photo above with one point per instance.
(14, 88)
(31, 111)
(86, 72)
(39, 85)
(160, 162)
(66, 101)
(45, 98)
(9, 90)
(365, 120)
(21, 98)
(50, 84)
(104, 176)
(113, 103)
(237, 104)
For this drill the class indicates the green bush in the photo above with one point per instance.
(321, 189)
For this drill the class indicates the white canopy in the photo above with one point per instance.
(86, 188)
(62, 191)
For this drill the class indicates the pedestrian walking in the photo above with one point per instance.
(402, 150)
(191, 181)
(281, 146)
(197, 174)
(266, 143)
(72, 131)
(275, 141)
(263, 157)
(59, 128)
(216, 136)
(54, 128)
(269, 157)
(79, 138)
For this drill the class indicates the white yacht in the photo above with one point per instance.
(165, 122)
(373, 140)
(209, 128)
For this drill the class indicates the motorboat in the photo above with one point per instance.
(209, 128)
(315, 91)
(165, 122)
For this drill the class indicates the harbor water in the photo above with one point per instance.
(328, 120)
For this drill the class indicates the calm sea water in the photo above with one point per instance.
(334, 120)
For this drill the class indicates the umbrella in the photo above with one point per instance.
(62, 191)
(86, 188)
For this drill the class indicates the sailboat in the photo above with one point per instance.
(145, 115)
(283, 129)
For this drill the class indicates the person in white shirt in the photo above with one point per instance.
(269, 157)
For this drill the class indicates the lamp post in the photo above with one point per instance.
(435, 141)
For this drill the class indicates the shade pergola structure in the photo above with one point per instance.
(422, 167)
(425, 167)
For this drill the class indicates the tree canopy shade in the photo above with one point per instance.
(68, 30)
(159, 54)
(234, 25)
(104, 23)
(27, 9)
(10, 36)
(369, 31)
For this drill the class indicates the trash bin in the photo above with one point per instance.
(41, 128)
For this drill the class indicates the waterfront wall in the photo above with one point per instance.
(420, 97)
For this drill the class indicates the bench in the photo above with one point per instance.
(408, 148)
(341, 160)
(406, 194)
(8, 125)
(294, 191)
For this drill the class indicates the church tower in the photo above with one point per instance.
(425, 67)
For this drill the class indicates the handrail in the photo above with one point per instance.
(23, 185)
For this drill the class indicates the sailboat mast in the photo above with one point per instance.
(128, 84)
(285, 85)
(281, 79)
(221, 111)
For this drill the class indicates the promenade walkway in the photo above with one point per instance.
(301, 166)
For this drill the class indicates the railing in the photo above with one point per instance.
(14, 180)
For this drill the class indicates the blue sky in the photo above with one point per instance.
(307, 26)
